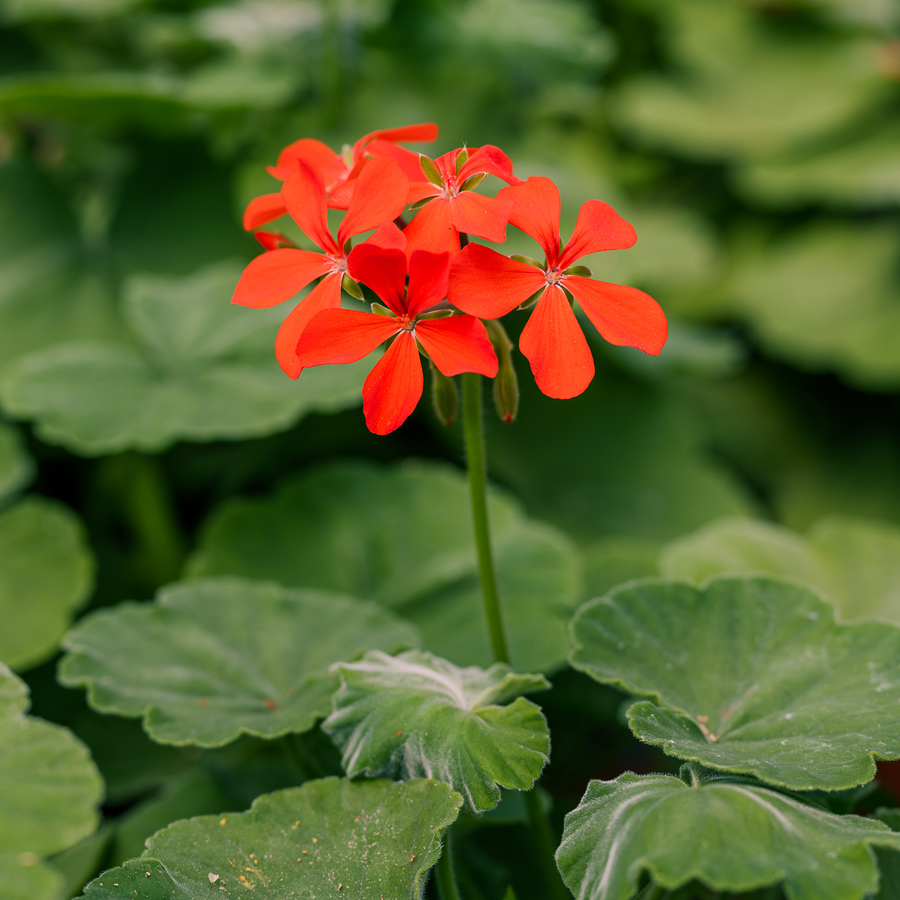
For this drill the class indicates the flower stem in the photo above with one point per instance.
(446, 879)
(545, 845)
(471, 383)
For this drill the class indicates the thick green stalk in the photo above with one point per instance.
(446, 879)
(478, 490)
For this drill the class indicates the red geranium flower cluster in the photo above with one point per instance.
(435, 286)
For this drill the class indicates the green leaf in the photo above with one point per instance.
(328, 838)
(732, 835)
(16, 468)
(373, 533)
(51, 791)
(46, 573)
(749, 674)
(205, 369)
(211, 660)
(854, 561)
(416, 715)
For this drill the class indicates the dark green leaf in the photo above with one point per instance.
(416, 715)
(329, 838)
(733, 836)
(212, 660)
(16, 467)
(749, 675)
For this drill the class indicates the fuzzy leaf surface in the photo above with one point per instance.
(51, 791)
(372, 532)
(328, 838)
(732, 835)
(46, 573)
(200, 369)
(856, 562)
(416, 715)
(211, 660)
(749, 674)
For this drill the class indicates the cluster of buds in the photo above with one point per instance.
(441, 295)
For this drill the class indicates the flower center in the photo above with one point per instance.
(406, 323)
(337, 265)
(451, 186)
(554, 276)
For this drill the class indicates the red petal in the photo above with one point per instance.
(419, 190)
(329, 163)
(599, 227)
(325, 295)
(483, 283)
(379, 196)
(624, 316)
(394, 386)
(555, 346)
(428, 274)
(492, 160)
(458, 344)
(537, 213)
(432, 229)
(406, 159)
(425, 132)
(304, 197)
(262, 210)
(341, 196)
(485, 217)
(382, 270)
(276, 276)
(337, 336)
(387, 236)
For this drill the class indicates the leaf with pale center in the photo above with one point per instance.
(416, 715)
(211, 660)
(402, 536)
(328, 838)
(749, 674)
(201, 368)
(51, 790)
(731, 834)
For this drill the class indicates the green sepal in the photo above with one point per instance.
(461, 159)
(351, 287)
(472, 181)
(518, 257)
(420, 203)
(431, 170)
(527, 304)
(583, 271)
(444, 396)
(436, 314)
(380, 310)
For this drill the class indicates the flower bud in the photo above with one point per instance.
(506, 384)
(444, 396)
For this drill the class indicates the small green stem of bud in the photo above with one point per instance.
(444, 396)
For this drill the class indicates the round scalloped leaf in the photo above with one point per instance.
(211, 660)
(201, 369)
(749, 674)
(46, 573)
(416, 715)
(16, 467)
(328, 838)
(856, 562)
(373, 532)
(51, 791)
(731, 835)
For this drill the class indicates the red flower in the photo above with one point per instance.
(339, 171)
(455, 206)
(394, 386)
(276, 276)
(486, 284)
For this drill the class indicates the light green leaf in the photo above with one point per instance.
(211, 660)
(854, 561)
(749, 674)
(734, 836)
(205, 369)
(16, 467)
(416, 715)
(51, 791)
(328, 838)
(46, 573)
(374, 533)
(826, 298)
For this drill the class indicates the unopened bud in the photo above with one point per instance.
(506, 384)
(444, 396)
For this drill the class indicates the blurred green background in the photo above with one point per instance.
(754, 145)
